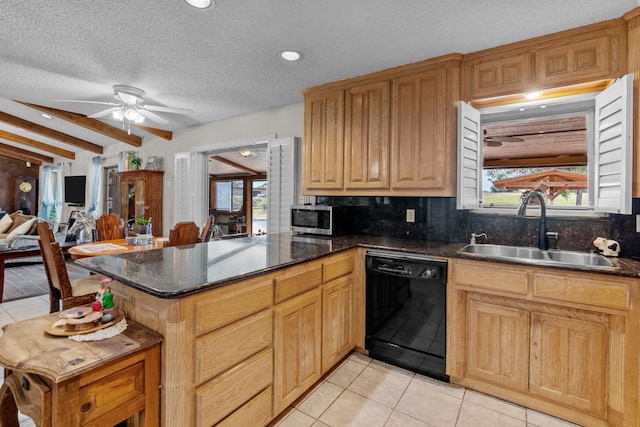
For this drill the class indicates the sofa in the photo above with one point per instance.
(21, 231)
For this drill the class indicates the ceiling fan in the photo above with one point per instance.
(496, 141)
(131, 107)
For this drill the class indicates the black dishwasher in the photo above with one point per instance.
(406, 317)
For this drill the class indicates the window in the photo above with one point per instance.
(228, 195)
(575, 150)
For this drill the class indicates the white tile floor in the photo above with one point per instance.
(369, 393)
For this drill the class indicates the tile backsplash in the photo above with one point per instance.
(437, 219)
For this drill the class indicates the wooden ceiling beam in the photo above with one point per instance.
(50, 133)
(164, 134)
(27, 156)
(91, 124)
(578, 160)
(37, 144)
(235, 165)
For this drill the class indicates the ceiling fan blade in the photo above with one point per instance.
(103, 113)
(153, 116)
(503, 139)
(166, 109)
(85, 102)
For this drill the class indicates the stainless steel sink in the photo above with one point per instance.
(580, 260)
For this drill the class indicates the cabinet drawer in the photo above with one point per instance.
(337, 266)
(602, 291)
(110, 393)
(227, 392)
(231, 303)
(299, 280)
(256, 412)
(228, 346)
(490, 276)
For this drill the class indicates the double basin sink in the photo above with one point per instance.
(579, 260)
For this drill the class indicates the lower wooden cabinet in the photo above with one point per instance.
(580, 383)
(297, 346)
(562, 342)
(337, 321)
(498, 344)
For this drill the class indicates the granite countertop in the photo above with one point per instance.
(176, 272)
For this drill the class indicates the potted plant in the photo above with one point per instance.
(135, 163)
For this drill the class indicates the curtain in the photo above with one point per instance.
(97, 184)
(56, 213)
(122, 159)
(47, 192)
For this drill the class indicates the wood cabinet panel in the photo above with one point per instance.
(597, 290)
(227, 304)
(337, 266)
(568, 362)
(324, 140)
(227, 392)
(367, 123)
(418, 153)
(297, 346)
(498, 75)
(486, 275)
(256, 412)
(498, 344)
(298, 280)
(224, 348)
(337, 321)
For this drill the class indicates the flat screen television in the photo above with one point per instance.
(74, 190)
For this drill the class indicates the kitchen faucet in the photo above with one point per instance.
(543, 243)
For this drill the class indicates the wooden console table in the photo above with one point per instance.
(60, 382)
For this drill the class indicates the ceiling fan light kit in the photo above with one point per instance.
(201, 4)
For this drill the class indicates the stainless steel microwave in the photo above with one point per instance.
(319, 219)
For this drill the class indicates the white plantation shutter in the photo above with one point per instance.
(469, 157)
(191, 188)
(613, 147)
(281, 192)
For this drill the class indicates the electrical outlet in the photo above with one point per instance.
(411, 215)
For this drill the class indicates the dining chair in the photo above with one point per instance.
(110, 227)
(61, 289)
(207, 230)
(184, 233)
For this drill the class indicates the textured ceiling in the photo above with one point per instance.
(223, 61)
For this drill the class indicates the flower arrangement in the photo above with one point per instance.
(140, 219)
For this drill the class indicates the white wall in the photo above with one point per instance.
(284, 121)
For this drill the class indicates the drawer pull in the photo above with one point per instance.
(86, 407)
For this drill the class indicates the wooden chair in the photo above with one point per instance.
(110, 227)
(184, 233)
(207, 230)
(71, 292)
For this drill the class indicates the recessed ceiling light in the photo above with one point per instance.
(46, 116)
(533, 95)
(290, 55)
(201, 4)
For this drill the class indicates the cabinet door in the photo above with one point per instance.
(498, 347)
(324, 140)
(297, 346)
(418, 137)
(367, 116)
(337, 321)
(568, 362)
(496, 75)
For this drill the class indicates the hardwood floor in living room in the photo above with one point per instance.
(28, 279)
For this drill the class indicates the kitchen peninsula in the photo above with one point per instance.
(234, 314)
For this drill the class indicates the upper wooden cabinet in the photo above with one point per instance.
(324, 140)
(575, 56)
(396, 134)
(138, 189)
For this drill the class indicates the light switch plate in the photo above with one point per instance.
(411, 215)
(637, 223)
